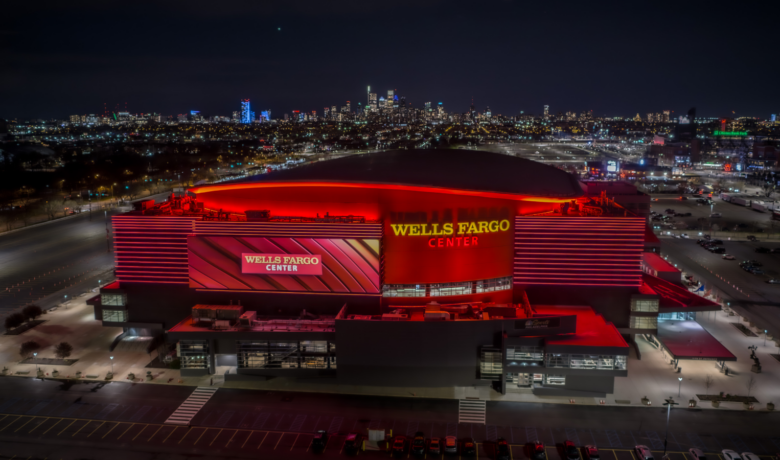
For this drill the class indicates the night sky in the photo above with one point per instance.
(615, 58)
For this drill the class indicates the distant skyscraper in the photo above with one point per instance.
(774, 117)
(389, 100)
(637, 118)
(650, 118)
(265, 115)
(441, 110)
(372, 101)
(246, 113)
(326, 112)
(546, 111)
(666, 116)
(368, 94)
(333, 110)
(349, 107)
(488, 114)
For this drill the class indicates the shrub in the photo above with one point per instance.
(32, 311)
(28, 348)
(175, 364)
(14, 320)
(63, 350)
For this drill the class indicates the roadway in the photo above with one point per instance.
(43, 417)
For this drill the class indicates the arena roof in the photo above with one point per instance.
(453, 169)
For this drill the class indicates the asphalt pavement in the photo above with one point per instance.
(100, 417)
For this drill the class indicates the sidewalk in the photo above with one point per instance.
(653, 376)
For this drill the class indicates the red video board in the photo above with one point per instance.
(343, 265)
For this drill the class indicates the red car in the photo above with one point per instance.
(570, 450)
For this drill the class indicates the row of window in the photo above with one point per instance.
(602, 362)
(115, 316)
(305, 354)
(644, 305)
(643, 322)
(447, 289)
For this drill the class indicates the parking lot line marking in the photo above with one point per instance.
(280, 440)
(247, 438)
(25, 423)
(266, 435)
(82, 427)
(128, 429)
(112, 429)
(215, 437)
(296, 440)
(158, 429)
(615, 454)
(185, 435)
(201, 435)
(169, 434)
(1, 419)
(58, 421)
(63, 430)
(139, 433)
(632, 455)
(231, 438)
(93, 431)
(36, 426)
(17, 418)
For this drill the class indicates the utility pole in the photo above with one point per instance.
(669, 403)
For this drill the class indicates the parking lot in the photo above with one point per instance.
(235, 441)
(734, 217)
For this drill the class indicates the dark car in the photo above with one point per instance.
(468, 448)
(716, 241)
(570, 450)
(502, 450)
(320, 440)
(717, 250)
(399, 446)
(762, 250)
(352, 444)
(591, 453)
(536, 450)
(775, 251)
(754, 263)
(418, 444)
(434, 446)
(752, 238)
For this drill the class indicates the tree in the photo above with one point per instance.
(32, 311)
(63, 350)
(14, 320)
(751, 382)
(28, 348)
(708, 381)
(156, 343)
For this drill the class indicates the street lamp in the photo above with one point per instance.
(35, 358)
(679, 387)
(112, 364)
(765, 332)
(669, 403)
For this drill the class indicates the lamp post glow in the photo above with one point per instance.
(669, 403)
(679, 387)
(35, 355)
(112, 364)
(765, 333)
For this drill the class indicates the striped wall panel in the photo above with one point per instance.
(286, 229)
(591, 251)
(152, 249)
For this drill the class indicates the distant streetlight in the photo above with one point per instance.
(112, 364)
(35, 357)
(679, 387)
(765, 333)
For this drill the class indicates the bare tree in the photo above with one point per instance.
(751, 382)
(708, 381)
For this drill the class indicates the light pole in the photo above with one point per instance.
(35, 358)
(112, 364)
(765, 332)
(679, 386)
(669, 403)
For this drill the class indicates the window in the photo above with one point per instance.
(647, 305)
(113, 300)
(620, 363)
(525, 354)
(446, 289)
(307, 354)
(496, 284)
(403, 290)
(643, 322)
(550, 379)
(557, 360)
(490, 365)
(115, 316)
(194, 354)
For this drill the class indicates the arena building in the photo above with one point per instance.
(400, 268)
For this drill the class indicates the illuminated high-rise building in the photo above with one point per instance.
(368, 95)
(246, 113)
(372, 101)
(546, 111)
(666, 116)
(333, 110)
(650, 118)
(390, 99)
(326, 112)
(349, 107)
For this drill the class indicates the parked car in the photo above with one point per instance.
(450, 445)
(352, 444)
(697, 454)
(468, 448)
(762, 250)
(434, 446)
(716, 241)
(756, 271)
(730, 455)
(502, 450)
(418, 444)
(570, 450)
(716, 214)
(399, 446)
(320, 440)
(728, 257)
(754, 263)
(774, 251)
(751, 238)
(590, 452)
(749, 456)
(718, 250)
(773, 281)
(536, 450)
(643, 452)
(683, 198)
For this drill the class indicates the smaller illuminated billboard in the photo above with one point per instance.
(612, 166)
(277, 264)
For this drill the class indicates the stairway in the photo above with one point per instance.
(191, 406)
(471, 411)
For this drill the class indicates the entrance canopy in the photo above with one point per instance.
(688, 340)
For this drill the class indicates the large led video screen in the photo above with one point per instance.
(249, 263)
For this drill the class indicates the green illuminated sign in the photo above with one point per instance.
(730, 133)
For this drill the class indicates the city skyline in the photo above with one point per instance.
(64, 59)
